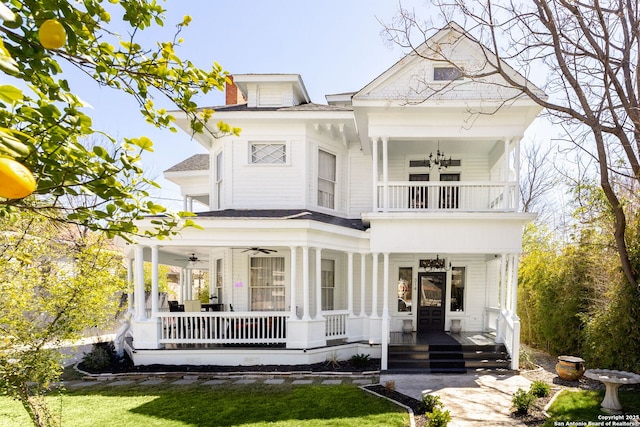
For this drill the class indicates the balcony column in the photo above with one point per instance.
(516, 167)
(385, 311)
(138, 274)
(505, 176)
(305, 283)
(294, 282)
(350, 283)
(154, 281)
(318, 284)
(385, 174)
(374, 162)
(363, 281)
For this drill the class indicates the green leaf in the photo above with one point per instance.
(10, 94)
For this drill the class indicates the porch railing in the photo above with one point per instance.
(509, 331)
(444, 195)
(336, 324)
(223, 328)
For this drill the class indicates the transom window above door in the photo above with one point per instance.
(268, 153)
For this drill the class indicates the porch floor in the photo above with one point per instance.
(435, 338)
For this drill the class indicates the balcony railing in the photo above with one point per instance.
(470, 196)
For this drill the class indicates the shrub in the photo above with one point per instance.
(540, 389)
(100, 356)
(360, 360)
(390, 386)
(438, 418)
(332, 360)
(431, 402)
(522, 401)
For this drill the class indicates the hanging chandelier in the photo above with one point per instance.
(436, 263)
(439, 159)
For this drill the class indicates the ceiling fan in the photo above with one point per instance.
(257, 250)
(193, 258)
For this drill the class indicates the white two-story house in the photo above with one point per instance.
(387, 214)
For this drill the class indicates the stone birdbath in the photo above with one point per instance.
(612, 380)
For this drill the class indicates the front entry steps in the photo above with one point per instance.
(445, 355)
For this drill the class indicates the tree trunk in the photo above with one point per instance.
(37, 408)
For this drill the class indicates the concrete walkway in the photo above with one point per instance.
(474, 400)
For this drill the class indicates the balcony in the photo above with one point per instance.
(426, 196)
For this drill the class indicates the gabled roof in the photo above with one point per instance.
(197, 162)
(409, 79)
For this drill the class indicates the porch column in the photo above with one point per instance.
(294, 280)
(363, 275)
(501, 298)
(181, 286)
(374, 280)
(139, 283)
(305, 283)
(154, 281)
(374, 162)
(130, 284)
(385, 174)
(514, 285)
(318, 283)
(189, 284)
(385, 311)
(350, 283)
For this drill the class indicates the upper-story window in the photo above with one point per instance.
(326, 179)
(444, 74)
(268, 153)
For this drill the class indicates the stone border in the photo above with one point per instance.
(412, 419)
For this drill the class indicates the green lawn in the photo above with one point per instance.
(584, 405)
(227, 405)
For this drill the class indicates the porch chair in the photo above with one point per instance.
(192, 305)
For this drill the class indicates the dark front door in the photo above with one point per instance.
(418, 196)
(449, 195)
(431, 291)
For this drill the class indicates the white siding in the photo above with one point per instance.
(360, 186)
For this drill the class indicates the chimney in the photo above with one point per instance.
(232, 93)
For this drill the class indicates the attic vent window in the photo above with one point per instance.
(442, 74)
(268, 154)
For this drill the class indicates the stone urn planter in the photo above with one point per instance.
(407, 326)
(570, 368)
(455, 327)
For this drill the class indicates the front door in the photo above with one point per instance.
(449, 195)
(418, 196)
(431, 292)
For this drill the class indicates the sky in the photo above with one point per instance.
(335, 45)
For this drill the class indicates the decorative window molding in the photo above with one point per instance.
(326, 179)
(267, 153)
(328, 279)
(267, 283)
(447, 74)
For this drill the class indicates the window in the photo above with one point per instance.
(326, 179)
(268, 153)
(405, 285)
(266, 284)
(219, 180)
(328, 274)
(457, 288)
(446, 74)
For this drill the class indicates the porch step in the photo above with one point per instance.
(445, 358)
